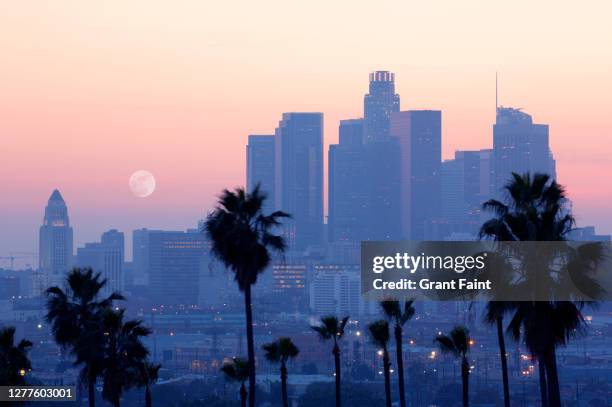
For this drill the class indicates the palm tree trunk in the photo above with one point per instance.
(336, 353)
(400, 365)
(250, 344)
(465, 381)
(284, 384)
(148, 401)
(243, 395)
(504, 360)
(552, 376)
(91, 391)
(543, 386)
(386, 369)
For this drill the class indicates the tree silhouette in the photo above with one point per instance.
(14, 362)
(124, 354)
(75, 316)
(280, 351)
(332, 329)
(536, 210)
(148, 373)
(458, 345)
(241, 237)
(238, 371)
(394, 313)
(379, 332)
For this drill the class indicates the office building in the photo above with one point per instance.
(299, 177)
(378, 105)
(55, 243)
(260, 167)
(519, 146)
(419, 135)
(105, 257)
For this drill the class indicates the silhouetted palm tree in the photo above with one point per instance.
(241, 237)
(494, 315)
(280, 351)
(394, 313)
(124, 353)
(331, 328)
(379, 332)
(536, 210)
(75, 315)
(148, 373)
(238, 371)
(14, 362)
(458, 344)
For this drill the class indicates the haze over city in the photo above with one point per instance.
(175, 89)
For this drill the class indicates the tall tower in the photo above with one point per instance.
(55, 240)
(519, 146)
(378, 105)
(299, 177)
(260, 167)
(419, 134)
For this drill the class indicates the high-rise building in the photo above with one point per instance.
(466, 185)
(105, 257)
(519, 146)
(175, 260)
(260, 167)
(347, 193)
(419, 134)
(299, 177)
(378, 105)
(55, 242)
(140, 256)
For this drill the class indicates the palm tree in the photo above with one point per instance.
(379, 332)
(238, 371)
(394, 313)
(280, 351)
(75, 315)
(458, 344)
(124, 354)
(241, 237)
(14, 362)
(331, 328)
(535, 210)
(494, 315)
(148, 373)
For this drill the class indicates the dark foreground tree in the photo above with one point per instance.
(536, 209)
(14, 362)
(394, 313)
(242, 236)
(238, 371)
(124, 354)
(379, 332)
(280, 351)
(332, 329)
(75, 318)
(148, 373)
(458, 345)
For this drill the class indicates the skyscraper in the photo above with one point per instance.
(419, 134)
(378, 105)
(55, 241)
(347, 192)
(260, 166)
(105, 257)
(176, 260)
(299, 177)
(519, 146)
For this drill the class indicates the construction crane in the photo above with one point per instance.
(16, 256)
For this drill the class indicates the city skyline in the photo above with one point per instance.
(108, 104)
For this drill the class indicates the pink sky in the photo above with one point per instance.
(90, 93)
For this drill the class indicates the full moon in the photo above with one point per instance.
(142, 183)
